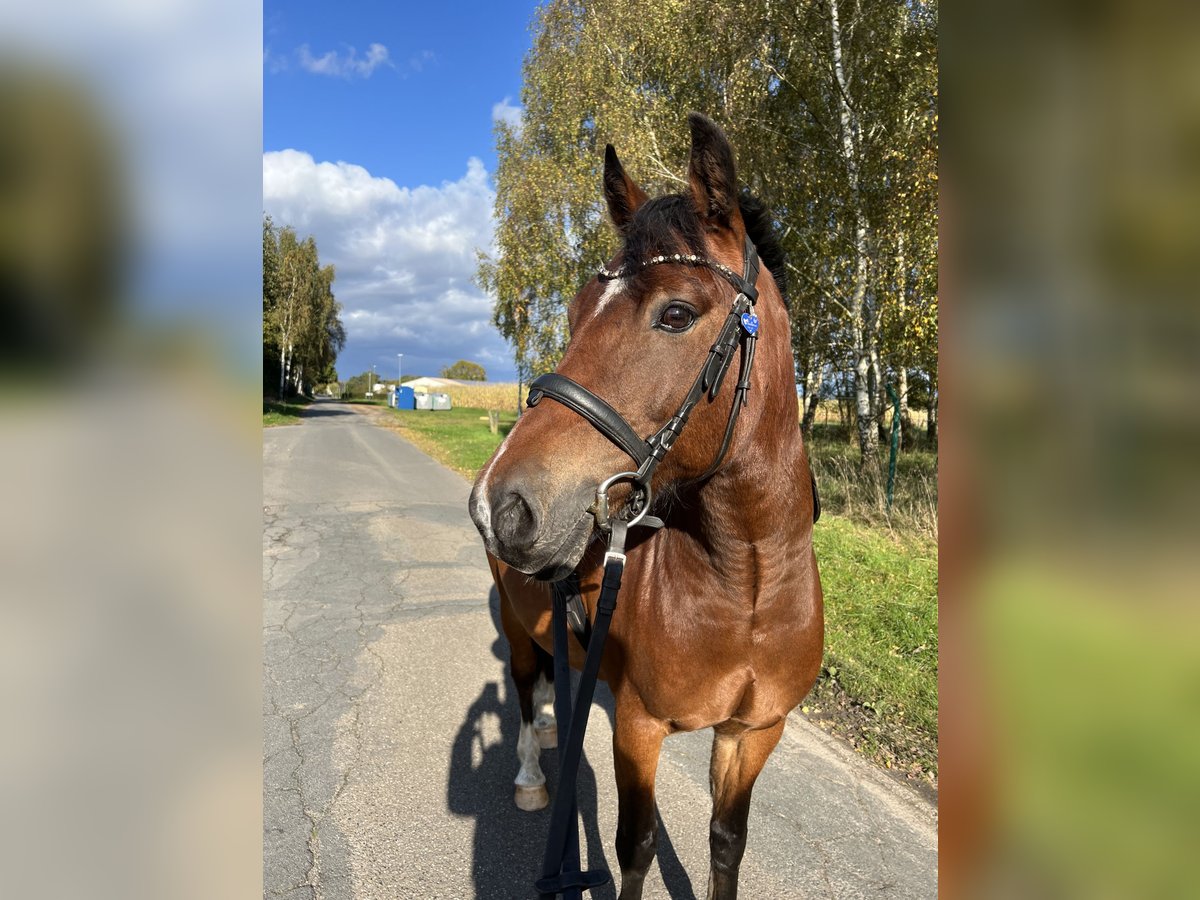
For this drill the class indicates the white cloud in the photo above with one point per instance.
(505, 112)
(404, 257)
(273, 62)
(421, 60)
(347, 65)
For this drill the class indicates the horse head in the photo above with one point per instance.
(642, 332)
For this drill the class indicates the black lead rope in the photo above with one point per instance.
(562, 712)
(561, 870)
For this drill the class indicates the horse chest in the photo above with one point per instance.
(718, 658)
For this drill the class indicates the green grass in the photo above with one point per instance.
(457, 437)
(283, 413)
(878, 688)
(366, 401)
(846, 490)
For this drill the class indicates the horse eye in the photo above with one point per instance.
(676, 317)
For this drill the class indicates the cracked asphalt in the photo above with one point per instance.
(390, 729)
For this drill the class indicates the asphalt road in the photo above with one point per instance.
(390, 728)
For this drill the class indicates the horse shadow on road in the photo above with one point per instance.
(509, 843)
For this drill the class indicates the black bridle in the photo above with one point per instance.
(740, 329)
(561, 872)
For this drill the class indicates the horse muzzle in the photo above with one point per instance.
(546, 540)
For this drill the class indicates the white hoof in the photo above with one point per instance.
(533, 798)
(548, 736)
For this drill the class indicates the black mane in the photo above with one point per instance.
(670, 225)
(761, 229)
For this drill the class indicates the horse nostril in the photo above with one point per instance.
(514, 521)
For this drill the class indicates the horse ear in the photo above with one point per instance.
(711, 172)
(623, 196)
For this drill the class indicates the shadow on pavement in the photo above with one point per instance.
(508, 843)
(325, 408)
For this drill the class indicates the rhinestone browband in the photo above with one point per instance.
(687, 259)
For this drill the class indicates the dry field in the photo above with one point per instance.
(499, 395)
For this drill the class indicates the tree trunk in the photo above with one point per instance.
(879, 399)
(812, 397)
(283, 369)
(901, 285)
(521, 374)
(868, 437)
(810, 413)
(291, 358)
(931, 428)
(286, 333)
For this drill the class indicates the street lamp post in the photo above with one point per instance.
(399, 369)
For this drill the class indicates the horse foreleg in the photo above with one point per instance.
(637, 740)
(545, 726)
(525, 666)
(737, 758)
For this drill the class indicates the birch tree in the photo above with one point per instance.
(302, 327)
(829, 109)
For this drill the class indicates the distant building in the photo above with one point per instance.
(437, 385)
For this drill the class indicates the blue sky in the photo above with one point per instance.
(377, 140)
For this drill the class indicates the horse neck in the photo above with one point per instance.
(749, 505)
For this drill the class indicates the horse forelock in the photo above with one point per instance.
(670, 224)
(664, 225)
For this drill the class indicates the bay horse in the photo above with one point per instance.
(720, 623)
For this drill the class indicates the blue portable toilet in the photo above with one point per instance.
(405, 398)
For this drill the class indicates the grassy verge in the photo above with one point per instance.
(878, 687)
(364, 401)
(287, 412)
(847, 491)
(458, 437)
